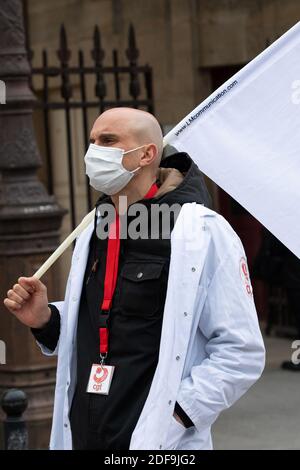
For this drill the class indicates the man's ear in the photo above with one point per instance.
(149, 155)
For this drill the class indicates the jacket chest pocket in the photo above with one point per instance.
(143, 287)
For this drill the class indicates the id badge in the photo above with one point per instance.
(100, 379)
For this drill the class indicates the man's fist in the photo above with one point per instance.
(28, 301)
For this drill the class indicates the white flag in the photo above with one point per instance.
(246, 137)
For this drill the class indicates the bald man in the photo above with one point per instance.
(123, 284)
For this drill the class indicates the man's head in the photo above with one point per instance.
(129, 128)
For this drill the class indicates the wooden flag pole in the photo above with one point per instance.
(65, 244)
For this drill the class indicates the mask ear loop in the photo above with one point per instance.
(133, 150)
(137, 169)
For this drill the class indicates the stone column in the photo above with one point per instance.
(30, 221)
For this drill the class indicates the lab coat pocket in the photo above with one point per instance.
(175, 433)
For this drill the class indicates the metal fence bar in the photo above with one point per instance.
(132, 54)
(98, 55)
(55, 71)
(64, 55)
(92, 104)
(149, 89)
(46, 125)
(84, 120)
(116, 75)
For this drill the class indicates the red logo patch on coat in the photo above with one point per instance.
(244, 272)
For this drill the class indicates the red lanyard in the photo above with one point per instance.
(111, 274)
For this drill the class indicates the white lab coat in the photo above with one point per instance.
(211, 349)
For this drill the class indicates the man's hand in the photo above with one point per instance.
(28, 301)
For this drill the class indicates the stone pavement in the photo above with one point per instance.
(268, 416)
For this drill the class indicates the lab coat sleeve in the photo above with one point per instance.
(235, 348)
(60, 307)
(45, 350)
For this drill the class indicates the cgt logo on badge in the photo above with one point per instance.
(2, 92)
(2, 352)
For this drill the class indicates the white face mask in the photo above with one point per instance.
(105, 170)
